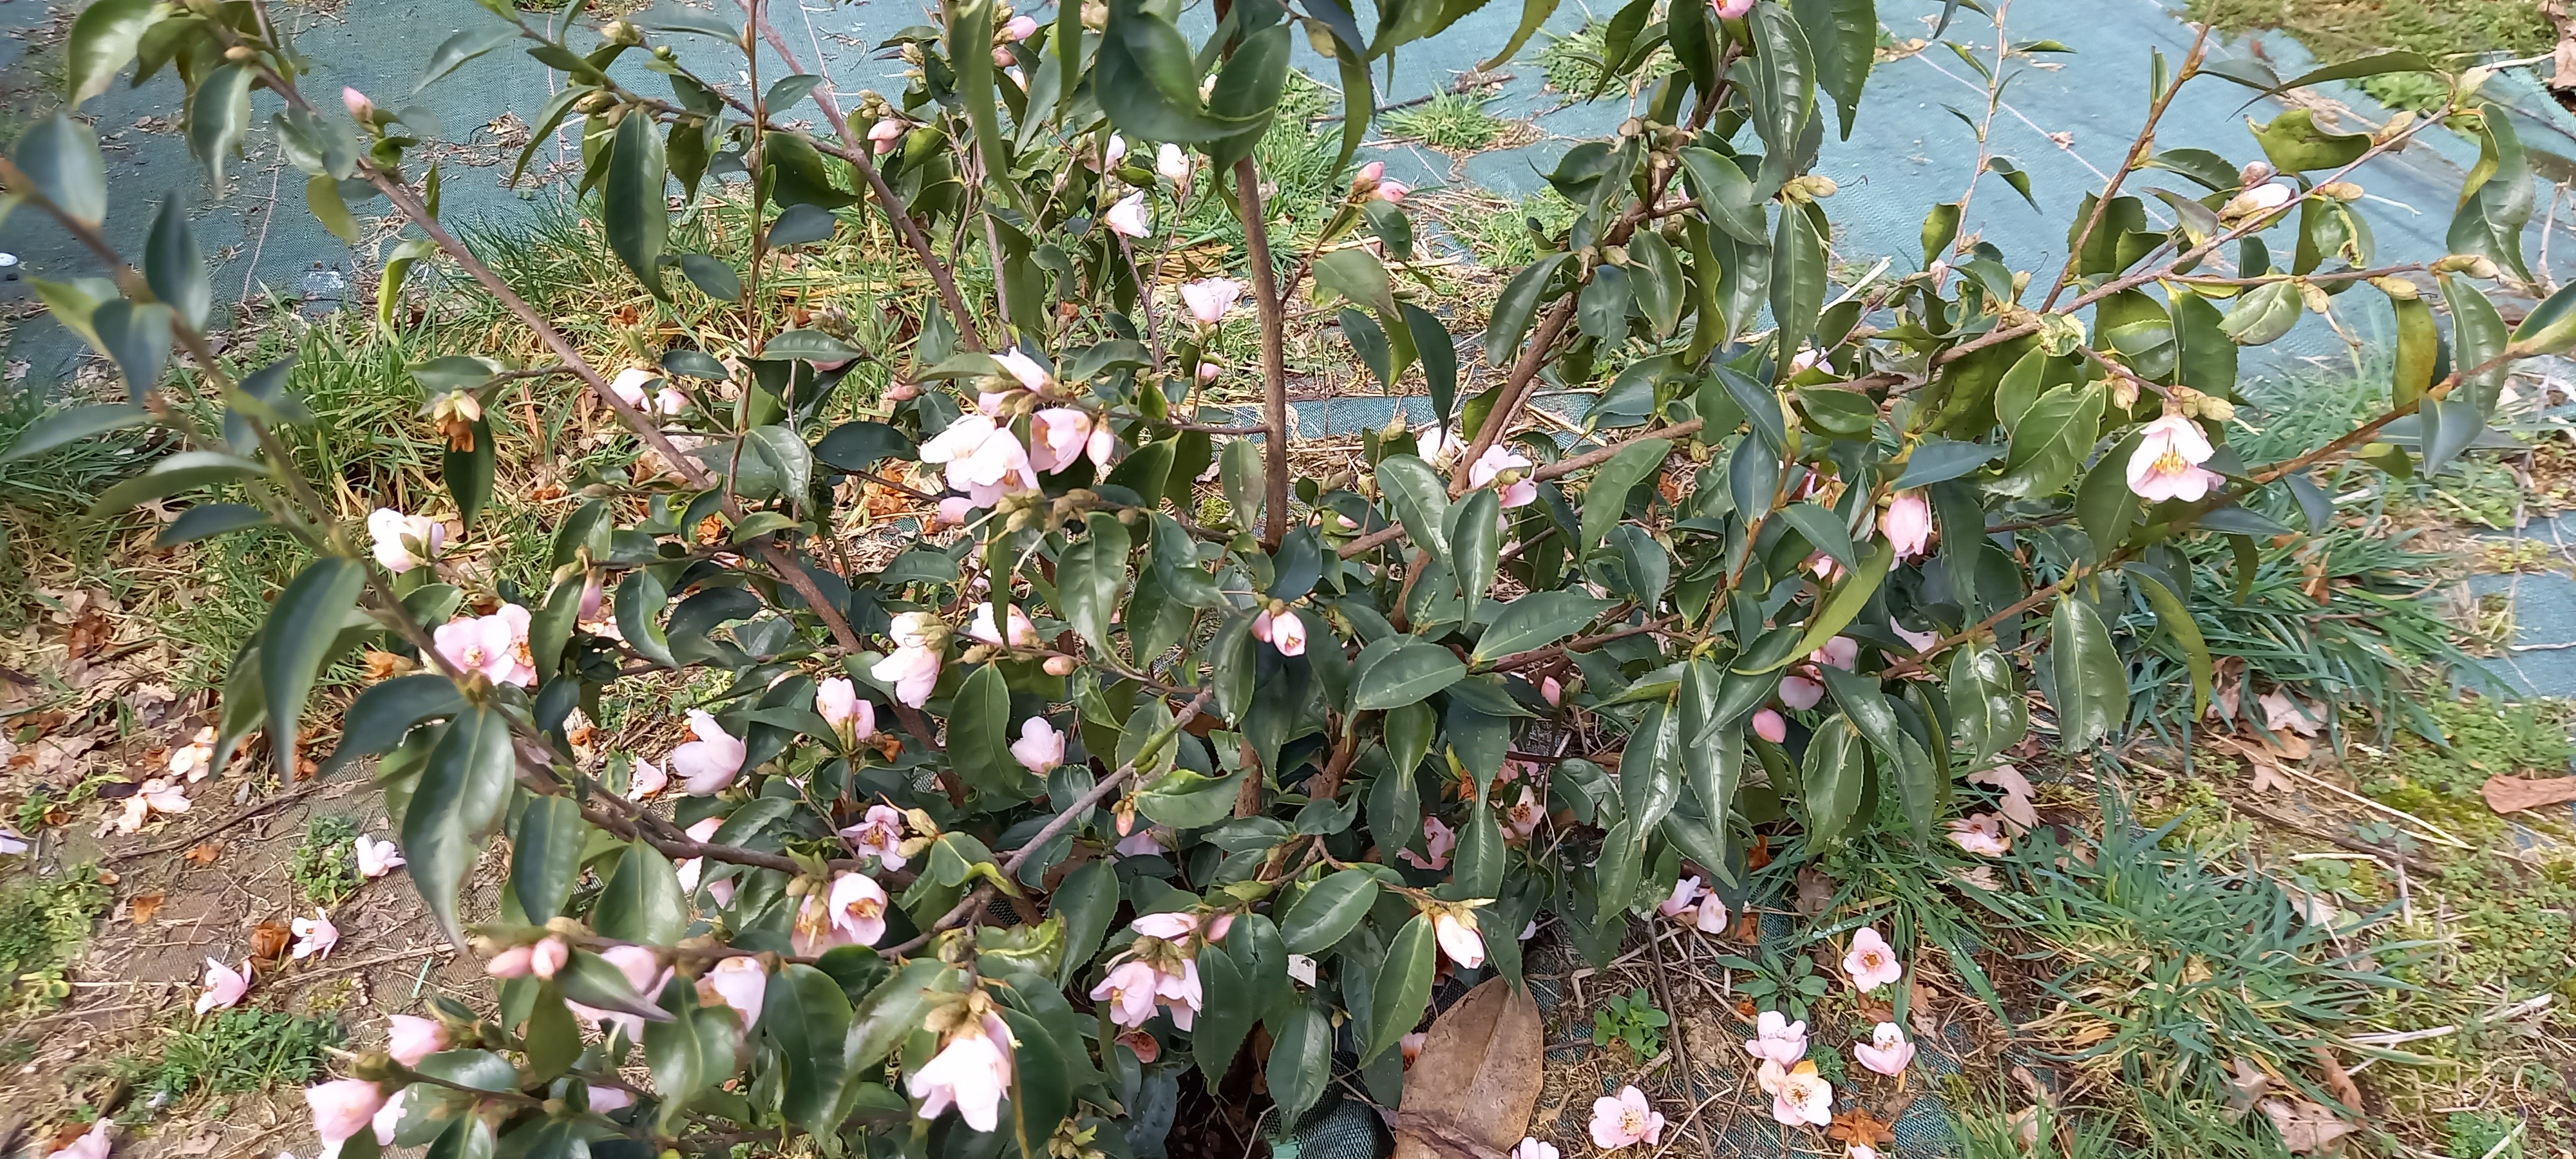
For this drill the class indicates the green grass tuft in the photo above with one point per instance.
(1448, 121)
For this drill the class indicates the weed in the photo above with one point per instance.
(1505, 233)
(1633, 1021)
(2482, 738)
(42, 926)
(2480, 1135)
(325, 866)
(1791, 983)
(1449, 122)
(235, 1051)
(2342, 29)
(1573, 65)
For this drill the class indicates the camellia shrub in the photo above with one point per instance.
(979, 848)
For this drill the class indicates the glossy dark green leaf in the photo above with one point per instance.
(638, 216)
(2478, 343)
(640, 600)
(61, 160)
(641, 901)
(889, 1013)
(455, 51)
(1515, 308)
(1606, 502)
(858, 446)
(1845, 602)
(136, 335)
(1408, 672)
(546, 844)
(717, 280)
(2185, 631)
(1476, 544)
(102, 43)
(1420, 498)
(468, 474)
(457, 803)
(2052, 441)
(207, 520)
(1088, 902)
(1844, 36)
(2262, 315)
(2295, 143)
(1326, 912)
(1726, 194)
(1834, 769)
(1536, 620)
(71, 425)
(1301, 1058)
(174, 268)
(218, 116)
(388, 711)
(1650, 775)
(1091, 576)
(1403, 989)
(2089, 681)
(807, 1016)
(692, 1050)
(1986, 704)
(1784, 78)
(185, 471)
(302, 623)
(1937, 459)
(980, 730)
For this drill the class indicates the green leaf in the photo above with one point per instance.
(2295, 144)
(1232, 1004)
(1605, 501)
(1476, 545)
(61, 160)
(2185, 631)
(1536, 620)
(137, 336)
(1867, 707)
(1420, 500)
(1844, 34)
(1656, 271)
(1515, 307)
(2263, 315)
(1088, 902)
(1301, 1059)
(1726, 194)
(811, 345)
(641, 902)
(172, 266)
(1403, 988)
(1936, 460)
(2090, 684)
(1987, 708)
(691, 1051)
(1327, 911)
(2055, 435)
(890, 1013)
(2477, 338)
(1400, 671)
(808, 1017)
(71, 425)
(1147, 80)
(590, 980)
(980, 729)
(1534, 14)
(640, 600)
(1650, 767)
(387, 712)
(634, 200)
(185, 471)
(102, 43)
(1784, 76)
(207, 520)
(1940, 228)
(1846, 602)
(468, 474)
(322, 198)
(453, 52)
(546, 844)
(1091, 576)
(1822, 529)
(1602, 310)
(218, 117)
(463, 786)
(2376, 64)
(301, 626)
(1832, 776)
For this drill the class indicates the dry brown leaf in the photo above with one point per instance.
(205, 853)
(143, 907)
(1815, 891)
(1856, 1126)
(2246, 1087)
(2338, 1081)
(2306, 1128)
(268, 941)
(2514, 794)
(1479, 1101)
(1920, 1011)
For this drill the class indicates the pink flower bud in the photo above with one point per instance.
(510, 963)
(359, 106)
(1059, 665)
(548, 956)
(902, 392)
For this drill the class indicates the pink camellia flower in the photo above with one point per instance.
(1771, 726)
(1733, 9)
(1142, 843)
(1841, 652)
(1919, 641)
(1551, 691)
(155, 795)
(2262, 198)
(478, 645)
(1128, 217)
(739, 982)
(1685, 891)
(885, 135)
(403, 542)
(1116, 152)
(1365, 181)
(1522, 818)
(342, 1108)
(689, 868)
(1458, 938)
(1521, 491)
(1777, 1039)
(1410, 1046)
(1887, 1051)
(1169, 925)
(1040, 747)
(315, 937)
(1800, 693)
(634, 387)
(1023, 369)
(1871, 962)
(1391, 192)
(1282, 630)
(1626, 1120)
(1063, 434)
(1907, 523)
(93, 1144)
(1803, 1098)
(1531, 1147)
(411, 1039)
(1180, 993)
(224, 986)
(510, 963)
(1017, 29)
(952, 512)
(1211, 299)
(606, 1099)
(360, 108)
(646, 779)
(2167, 463)
(1437, 839)
(1981, 834)
(858, 908)
(984, 459)
(879, 834)
(838, 702)
(970, 1073)
(1709, 916)
(1173, 162)
(1024, 632)
(1859, 1151)
(548, 957)
(902, 391)
(913, 667)
(1129, 990)
(196, 759)
(377, 856)
(711, 762)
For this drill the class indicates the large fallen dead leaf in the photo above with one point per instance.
(2514, 794)
(1475, 1101)
(2306, 1128)
(145, 905)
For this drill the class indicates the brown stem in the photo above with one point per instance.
(1274, 354)
(2139, 151)
(1558, 469)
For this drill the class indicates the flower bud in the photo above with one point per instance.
(593, 104)
(2340, 190)
(359, 106)
(239, 54)
(1059, 665)
(622, 31)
